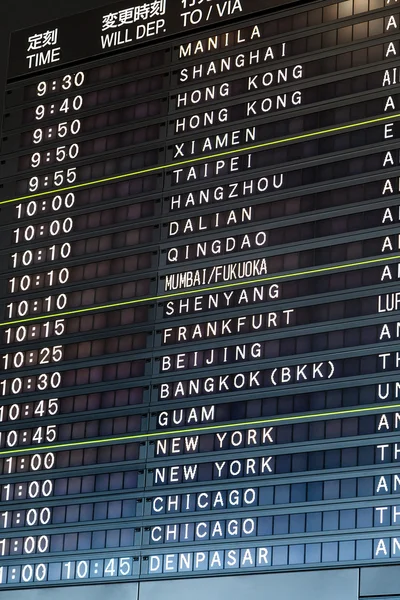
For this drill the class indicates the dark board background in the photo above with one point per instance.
(345, 584)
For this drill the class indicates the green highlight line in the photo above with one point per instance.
(207, 428)
(183, 293)
(191, 161)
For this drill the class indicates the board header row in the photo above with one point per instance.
(118, 26)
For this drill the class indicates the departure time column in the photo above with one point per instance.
(94, 248)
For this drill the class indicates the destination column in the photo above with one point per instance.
(269, 352)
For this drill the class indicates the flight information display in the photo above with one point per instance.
(199, 291)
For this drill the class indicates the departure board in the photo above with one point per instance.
(199, 301)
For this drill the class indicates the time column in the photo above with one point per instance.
(24, 252)
(79, 220)
(79, 252)
(20, 253)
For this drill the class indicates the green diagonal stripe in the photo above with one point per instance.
(192, 161)
(198, 430)
(79, 311)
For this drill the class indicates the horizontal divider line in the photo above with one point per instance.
(207, 428)
(191, 161)
(182, 294)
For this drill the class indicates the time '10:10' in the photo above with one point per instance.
(25, 307)
(44, 280)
